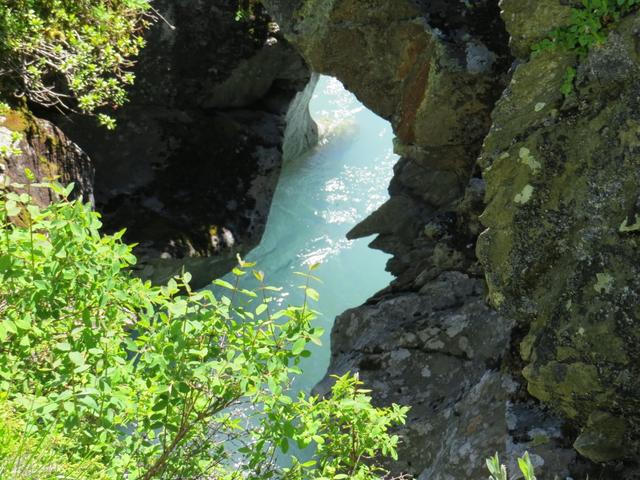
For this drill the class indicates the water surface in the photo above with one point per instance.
(319, 198)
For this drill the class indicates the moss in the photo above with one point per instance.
(539, 440)
(603, 438)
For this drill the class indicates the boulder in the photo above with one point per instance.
(28, 143)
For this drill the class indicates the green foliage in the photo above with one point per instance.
(499, 471)
(24, 456)
(164, 382)
(334, 423)
(588, 27)
(89, 44)
(246, 10)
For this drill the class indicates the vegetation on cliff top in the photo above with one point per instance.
(588, 26)
(149, 382)
(71, 54)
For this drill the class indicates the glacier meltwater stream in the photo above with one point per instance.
(320, 197)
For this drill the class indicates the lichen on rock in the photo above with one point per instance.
(565, 262)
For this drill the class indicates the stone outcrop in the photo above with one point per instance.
(32, 144)
(434, 69)
(191, 168)
(561, 248)
(440, 350)
(555, 372)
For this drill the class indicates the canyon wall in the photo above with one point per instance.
(561, 249)
(551, 368)
(510, 330)
(192, 166)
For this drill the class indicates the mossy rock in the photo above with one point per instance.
(37, 145)
(560, 252)
(529, 21)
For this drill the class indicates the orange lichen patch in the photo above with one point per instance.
(416, 46)
(412, 97)
(14, 121)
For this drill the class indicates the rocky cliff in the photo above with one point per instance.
(191, 168)
(553, 370)
(560, 250)
(509, 330)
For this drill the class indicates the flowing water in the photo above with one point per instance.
(319, 198)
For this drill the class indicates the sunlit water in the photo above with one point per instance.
(319, 198)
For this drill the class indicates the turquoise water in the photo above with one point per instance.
(319, 198)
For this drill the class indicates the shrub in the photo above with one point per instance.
(24, 456)
(89, 44)
(164, 382)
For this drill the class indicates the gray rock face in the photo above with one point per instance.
(191, 168)
(442, 351)
(430, 350)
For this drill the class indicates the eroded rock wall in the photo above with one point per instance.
(192, 167)
(558, 362)
(435, 70)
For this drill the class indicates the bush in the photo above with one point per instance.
(588, 26)
(24, 456)
(164, 382)
(89, 44)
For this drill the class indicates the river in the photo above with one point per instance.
(319, 198)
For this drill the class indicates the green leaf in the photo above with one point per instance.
(89, 402)
(76, 358)
(63, 347)
(223, 283)
(12, 208)
(298, 346)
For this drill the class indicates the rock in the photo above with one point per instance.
(529, 21)
(561, 251)
(192, 167)
(558, 252)
(441, 355)
(434, 69)
(38, 145)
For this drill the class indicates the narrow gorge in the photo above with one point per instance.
(510, 319)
